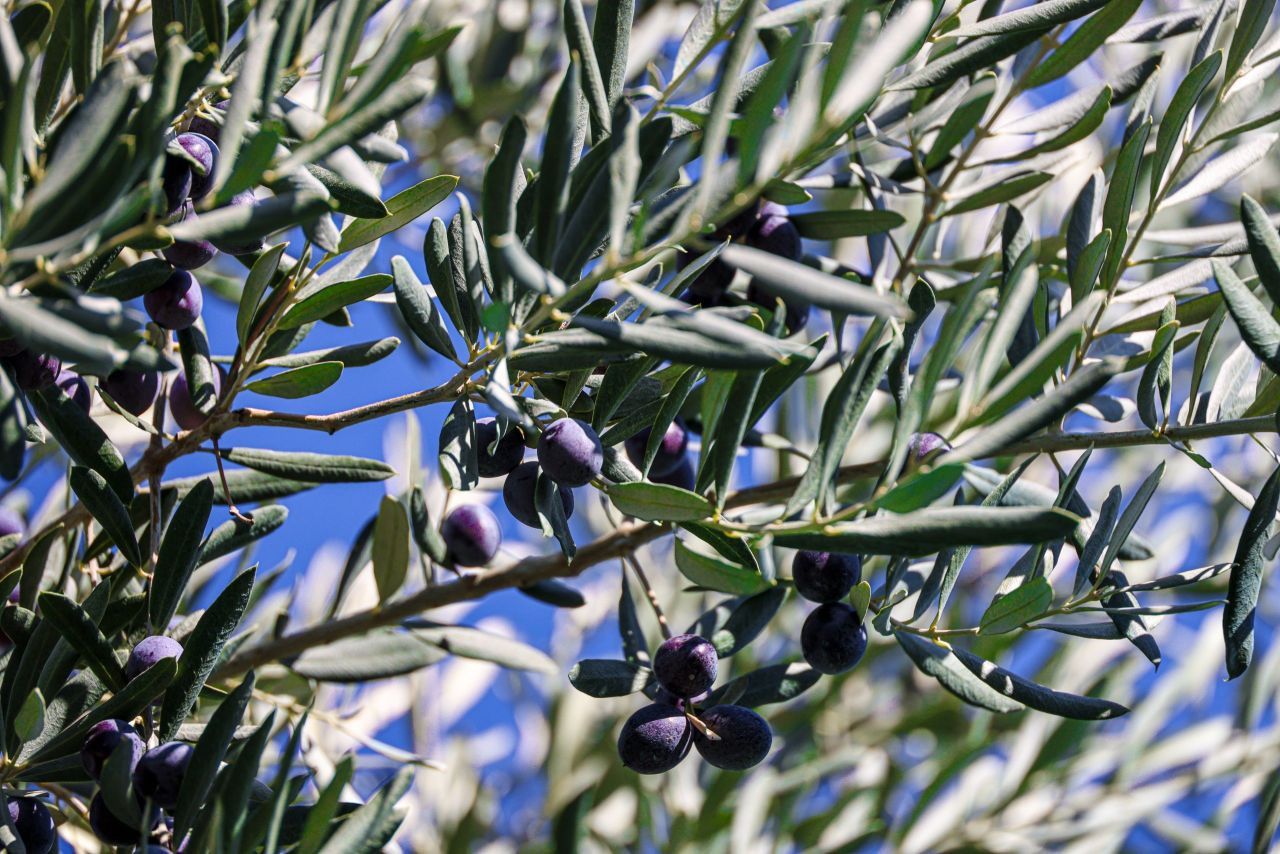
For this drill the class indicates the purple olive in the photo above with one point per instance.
(33, 371)
(189, 254)
(709, 287)
(11, 523)
(77, 389)
(508, 453)
(471, 534)
(177, 303)
(922, 446)
(102, 740)
(207, 126)
(519, 494)
(135, 391)
(183, 409)
(682, 476)
(685, 665)
(825, 576)
(33, 824)
(670, 450)
(246, 246)
(833, 639)
(175, 181)
(205, 152)
(774, 233)
(159, 773)
(570, 452)
(115, 831)
(743, 738)
(149, 651)
(655, 739)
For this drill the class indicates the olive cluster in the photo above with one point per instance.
(832, 638)
(157, 771)
(765, 227)
(657, 737)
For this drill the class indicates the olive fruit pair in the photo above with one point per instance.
(833, 638)
(569, 453)
(33, 824)
(657, 737)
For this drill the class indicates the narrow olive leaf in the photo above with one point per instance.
(942, 664)
(1091, 550)
(1119, 200)
(319, 299)
(840, 416)
(791, 280)
(419, 310)
(1257, 327)
(919, 489)
(716, 574)
(607, 677)
(524, 268)
(1037, 696)
(82, 438)
(449, 280)
(381, 654)
(1126, 613)
(29, 723)
(245, 486)
(235, 534)
(294, 383)
(107, 509)
(1042, 412)
(1005, 191)
(458, 462)
(735, 549)
(1090, 121)
(1176, 115)
(255, 285)
(125, 704)
(1157, 375)
(424, 532)
(1264, 245)
(390, 548)
(776, 683)
(975, 55)
(1017, 608)
(1246, 577)
(962, 120)
(201, 651)
(1223, 169)
(210, 751)
(80, 631)
(115, 785)
(360, 122)
(1084, 275)
(243, 223)
(662, 339)
(1264, 830)
(353, 194)
(932, 529)
(1034, 17)
(733, 625)
(658, 502)
(402, 208)
(554, 593)
(479, 645)
(1083, 42)
(309, 467)
(1129, 518)
(1254, 16)
(178, 555)
(371, 826)
(832, 225)
(135, 280)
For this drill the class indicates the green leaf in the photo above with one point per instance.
(419, 310)
(82, 439)
(402, 208)
(1179, 110)
(942, 664)
(381, 654)
(390, 548)
(179, 553)
(29, 723)
(246, 486)
(919, 489)
(208, 755)
(309, 467)
(606, 677)
(734, 624)
(776, 683)
(371, 826)
(1264, 246)
(1257, 327)
(1246, 577)
(234, 534)
(659, 502)
(933, 529)
(1017, 608)
(321, 299)
(1084, 42)
(351, 356)
(458, 464)
(135, 280)
(1005, 191)
(107, 509)
(715, 574)
(82, 633)
(352, 195)
(1253, 20)
(201, 651)
(245, 223)
(1034, 17)
(554, 593)
(791, 280)
(473, 643)
(975, 55)
(255, 285)
(298, 382)
(832, 225)
(1036, 696)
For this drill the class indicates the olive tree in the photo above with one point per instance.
(834, 353)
